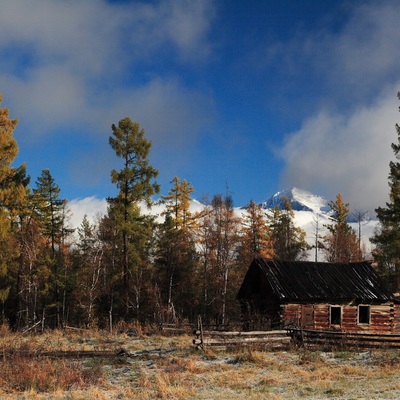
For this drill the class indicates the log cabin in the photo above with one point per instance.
(345, 297)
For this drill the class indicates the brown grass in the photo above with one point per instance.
(43, 374)
(170, 368)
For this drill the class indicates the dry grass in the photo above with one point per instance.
(169, 368)
(43, 374)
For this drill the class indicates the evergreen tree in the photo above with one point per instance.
(50, 212)
(341, 244)
(289, 241)
(387, 236)
(135, 182)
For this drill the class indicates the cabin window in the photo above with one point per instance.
(364, 314)
(335, 315)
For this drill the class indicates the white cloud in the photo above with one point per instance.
(75, 61)
(89, 206)
(52, 97)
(367, 48)
(346, 62)
(333, 154)
(165, 108)
(344, 145)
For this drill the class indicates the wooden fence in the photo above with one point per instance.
(265, 339)
(296, 337)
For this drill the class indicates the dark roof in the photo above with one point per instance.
(302, 281)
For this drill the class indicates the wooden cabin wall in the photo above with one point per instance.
(321, 317)
(384, 318)
(396, 318)
(291, 314)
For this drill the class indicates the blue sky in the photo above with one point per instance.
(246, 96)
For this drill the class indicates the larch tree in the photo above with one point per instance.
(13, 186)
(387, 237)
(341, 243)
(136, 183)
(88, 260)
(204, 241)
(219, 240)
(289, 241)
(255, 235)
(175, 257)
(177, 203)
(33, 274)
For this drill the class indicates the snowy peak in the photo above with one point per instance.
(301, 200)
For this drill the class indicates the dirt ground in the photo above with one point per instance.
(158, 367)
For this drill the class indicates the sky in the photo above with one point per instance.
(240, 97)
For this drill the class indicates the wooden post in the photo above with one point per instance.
(200, 328)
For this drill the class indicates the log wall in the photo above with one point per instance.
(384, 318)
(396, 318)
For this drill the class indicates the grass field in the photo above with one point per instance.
(160, 367)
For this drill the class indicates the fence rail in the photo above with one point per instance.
(266, 339)
(314, 338)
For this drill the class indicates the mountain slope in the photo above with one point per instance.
(301, 200)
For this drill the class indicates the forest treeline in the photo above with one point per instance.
(125, 265)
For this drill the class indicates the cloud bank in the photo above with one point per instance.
(71, 69)
(344, 144)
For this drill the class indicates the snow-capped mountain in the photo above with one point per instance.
(311, 213)
(301, 200)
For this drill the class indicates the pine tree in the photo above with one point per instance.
(50, 212)
(387, 236)
(341, 244)
(135, 182)
(289, 241)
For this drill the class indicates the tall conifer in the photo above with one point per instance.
(135, 183)
(387, 236)
(50, 212)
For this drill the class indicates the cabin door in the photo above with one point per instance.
(307, 316)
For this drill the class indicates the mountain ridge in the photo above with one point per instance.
(300, 200)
